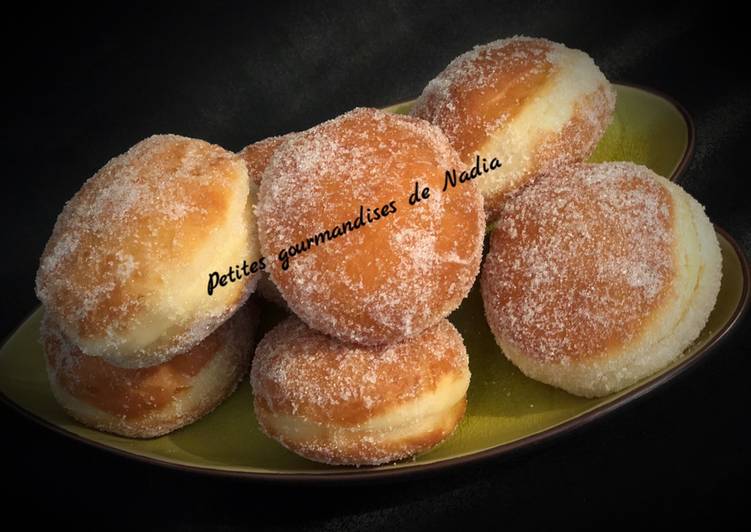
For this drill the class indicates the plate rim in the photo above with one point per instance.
(503, 450)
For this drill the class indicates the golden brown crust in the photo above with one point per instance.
(388, 279)
(579, 261)
(258, 155)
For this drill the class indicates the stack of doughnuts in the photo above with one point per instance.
(134, 344)
(368, 370)
(597, 275)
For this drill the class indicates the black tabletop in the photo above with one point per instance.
(82, 86)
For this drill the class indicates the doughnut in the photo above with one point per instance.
(257, 157)
(598, 276)
(149, 402)
(125, 274)
(362, 263)
(344, 404)
(532, 103)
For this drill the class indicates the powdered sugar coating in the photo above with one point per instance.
(300, 372)
(125, 270)
(258, 155)
(391, 278)
(578, 261)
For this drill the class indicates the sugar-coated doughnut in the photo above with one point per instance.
(599, 275)
(340, 403)
(150, 402)
(532, 103)
(363, 264)
(126, 270)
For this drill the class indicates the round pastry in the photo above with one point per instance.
(150, 402)
(531, 103)
(340, 403)
(350, 255)
(127, 271)
(599, 275)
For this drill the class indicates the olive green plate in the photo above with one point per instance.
(506, 410)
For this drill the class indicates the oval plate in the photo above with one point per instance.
(506, 410)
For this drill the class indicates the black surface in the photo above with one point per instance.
(80, 87)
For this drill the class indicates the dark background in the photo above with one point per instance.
(82, 85)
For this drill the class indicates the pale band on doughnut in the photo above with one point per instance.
(150, 402)
(345, 404)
